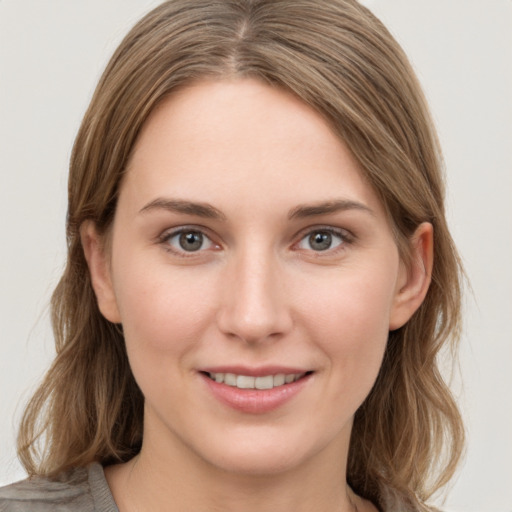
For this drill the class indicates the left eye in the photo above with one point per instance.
(189, 241)
(321, 240)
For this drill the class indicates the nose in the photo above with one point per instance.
(255, 305)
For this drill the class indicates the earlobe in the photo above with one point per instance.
(414, 280)
(99, 270)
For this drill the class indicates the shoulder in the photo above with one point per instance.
(79, 490)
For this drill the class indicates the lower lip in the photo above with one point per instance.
(255, 401)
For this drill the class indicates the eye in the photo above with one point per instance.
(187, 240)
(322, 240)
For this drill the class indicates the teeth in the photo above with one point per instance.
(279, 379)
(248, 382)
(264, 382)
(229, 379)
(244, 382)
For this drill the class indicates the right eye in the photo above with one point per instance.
(187, 241)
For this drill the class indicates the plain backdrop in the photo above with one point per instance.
(51, 55)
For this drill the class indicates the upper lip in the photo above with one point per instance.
(260, 371)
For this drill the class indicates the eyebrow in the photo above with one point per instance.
(208, 211)
(204, 210)
(326, 207)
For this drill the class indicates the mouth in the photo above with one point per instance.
(262, 392)
(259, 383)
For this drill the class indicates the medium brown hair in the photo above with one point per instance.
(338, 58)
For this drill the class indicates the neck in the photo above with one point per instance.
(169, 476)
(150, 483)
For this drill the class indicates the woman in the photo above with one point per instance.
(251, 311)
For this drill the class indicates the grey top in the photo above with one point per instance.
(86, 490)
(77, 490)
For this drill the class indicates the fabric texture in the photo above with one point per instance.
(78, 490)
(86, 490)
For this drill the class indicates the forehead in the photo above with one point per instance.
(244, 141)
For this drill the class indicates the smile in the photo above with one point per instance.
(249, 382)
(262, 392)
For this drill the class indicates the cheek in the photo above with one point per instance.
(163, 311)
(165, 316)
(350, 323)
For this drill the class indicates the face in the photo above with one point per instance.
(256, 277)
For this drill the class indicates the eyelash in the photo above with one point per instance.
(346, 238)
(165, 238)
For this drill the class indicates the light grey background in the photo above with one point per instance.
(51, 55)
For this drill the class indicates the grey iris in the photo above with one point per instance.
(191, 241)
(320, 241)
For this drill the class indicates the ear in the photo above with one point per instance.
(414, 279)
(99, 270)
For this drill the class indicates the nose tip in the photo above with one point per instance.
(252, 329)
(255, 306)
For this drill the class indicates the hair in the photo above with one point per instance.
(338, 58)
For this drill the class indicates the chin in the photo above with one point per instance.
(264, 454)
(260, 462)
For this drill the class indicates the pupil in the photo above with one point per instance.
(191, 241)
(320, 241)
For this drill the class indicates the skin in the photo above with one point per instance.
(258, 292)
